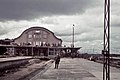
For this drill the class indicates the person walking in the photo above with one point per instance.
(57, 60)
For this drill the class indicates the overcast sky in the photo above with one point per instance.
(59, 17)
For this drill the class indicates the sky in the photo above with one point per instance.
(59, 16)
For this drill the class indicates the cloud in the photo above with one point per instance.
(3, 31)
(48, 20)
(115, 21)
(59, 17)
(29, 9)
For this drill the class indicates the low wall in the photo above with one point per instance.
(13, 63)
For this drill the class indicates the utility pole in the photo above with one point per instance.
(106, 50)
(73, 36)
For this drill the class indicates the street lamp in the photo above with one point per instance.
(73, 36)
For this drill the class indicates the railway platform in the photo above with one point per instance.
(14, 58)
(76, 69)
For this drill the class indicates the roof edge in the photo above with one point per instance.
(36, 27)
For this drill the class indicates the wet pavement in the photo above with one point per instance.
(76, 69)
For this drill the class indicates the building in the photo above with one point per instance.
(38, 36)
(6, 41)
(38, 41)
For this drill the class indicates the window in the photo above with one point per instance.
(29, 36)
(37, 43)
(34, 35)
(37, 36)
(51, 53)
(44, 43)
(40, 42)
(37, 31)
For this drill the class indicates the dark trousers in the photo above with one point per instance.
(56, 65)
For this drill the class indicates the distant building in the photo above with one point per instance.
(38, 41)
(38, 36)
(6, 41)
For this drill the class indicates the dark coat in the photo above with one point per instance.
(57, 59)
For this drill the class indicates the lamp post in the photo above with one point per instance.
(73, 36)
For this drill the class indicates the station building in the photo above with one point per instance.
(38, 36)
(38, 41)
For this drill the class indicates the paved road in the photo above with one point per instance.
(76, 69)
